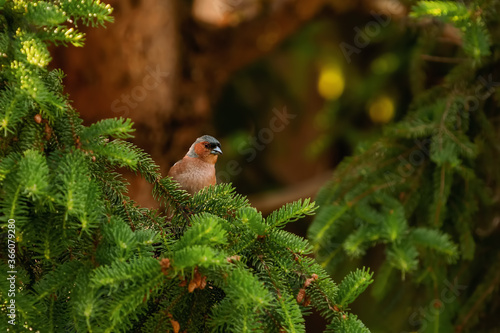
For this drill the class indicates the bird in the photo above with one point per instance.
(196, 169)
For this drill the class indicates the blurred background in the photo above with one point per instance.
(289, 87)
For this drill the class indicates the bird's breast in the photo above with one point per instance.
(193, 174)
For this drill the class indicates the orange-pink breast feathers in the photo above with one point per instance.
(197, 169)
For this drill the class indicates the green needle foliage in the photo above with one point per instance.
(88, 259)
(424, 195)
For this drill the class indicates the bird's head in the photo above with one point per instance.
(206, 148)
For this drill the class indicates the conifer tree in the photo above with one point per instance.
(426, 192)
(81, 256)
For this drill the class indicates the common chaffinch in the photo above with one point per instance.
(197, 169)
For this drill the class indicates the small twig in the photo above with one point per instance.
(478, 303)
(446, 60)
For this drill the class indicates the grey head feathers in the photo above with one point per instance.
(208, 138)
(213, 142)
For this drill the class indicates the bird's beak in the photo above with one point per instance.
(216, 151)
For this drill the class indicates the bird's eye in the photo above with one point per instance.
(207, 145)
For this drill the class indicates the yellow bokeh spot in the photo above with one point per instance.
(331, 82)
(381, 110)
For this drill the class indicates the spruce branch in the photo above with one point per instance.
(352, 286)
(290, 212)
(439, 242)
(347, 323)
